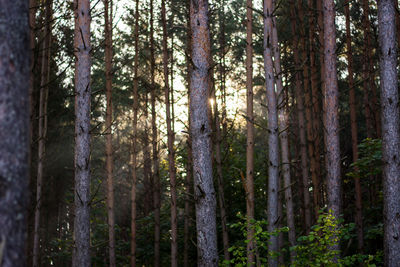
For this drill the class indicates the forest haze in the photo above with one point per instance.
(199, 133)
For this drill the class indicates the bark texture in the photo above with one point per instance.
(331, 106)
(353, 122)
(273, 132)
(42, 132)
(201, 136)
(14, 130)
(81, 253)
(109, 147)
(390, 131)
(250, 135)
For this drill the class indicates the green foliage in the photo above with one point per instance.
(261, 237)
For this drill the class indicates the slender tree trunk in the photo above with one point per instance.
(390, 130)
(301, 119)
(283, 122)
(156, 178)
(189, 175)
(44, 80)
(220, 177)
(315, 104)
(250, 135)
(171, 152)
(273, 131)
(81, 254)
(201, 141)
(32, 26)
(331, 106)
(14, 131)
(135, 135)
(109, 148)
(353, 122)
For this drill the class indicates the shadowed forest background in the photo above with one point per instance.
(268, 118)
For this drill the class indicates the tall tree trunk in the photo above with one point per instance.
(14, 131)
(156, 177)
(32, 26)
(81, 254)
(331, 106)
(273, 131)
(109, 149)
(135, 135)
(309, 116)
(189, 175)
(283, 122)
(201, 130)
(353, 122)
(390, 130)
(315, 105)
(301, 119)
(44, 80)
(250, 135)
(171, 151)
(220, 177)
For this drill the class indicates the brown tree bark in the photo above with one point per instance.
(301, 119)
(283, 124)
(109, 114)
(273, 131)
(135, 135)
(14, 130)
(331, 106)
(250, 135)
(189, 175)
(81, 253)
(201, 130)
(155, 163)
(353, 122)
(390, 130)
(171, 151)
(42, 129)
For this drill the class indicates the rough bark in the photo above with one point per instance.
(390, 130)
(301, 119)
(109, 148)
(14, 130)
(171, 151)
(201, 133)
(42, 129)
(81, 253)
(32, 44)
(331, 106)
(273, 132)
(353, 122)
(283, 124)
(250, 135)
(135, 135)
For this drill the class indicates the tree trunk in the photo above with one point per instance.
(301, 119)
(135, 135)
(42, 133)
(353, 121)
(171, 151)
(156, 177)
(201, 130)
(273, 132)
(81, 254)
(331, 106)
(109, 149)
(390, 130)
(250, 135)
(283, 116)
(189, 175)
(14, 131)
